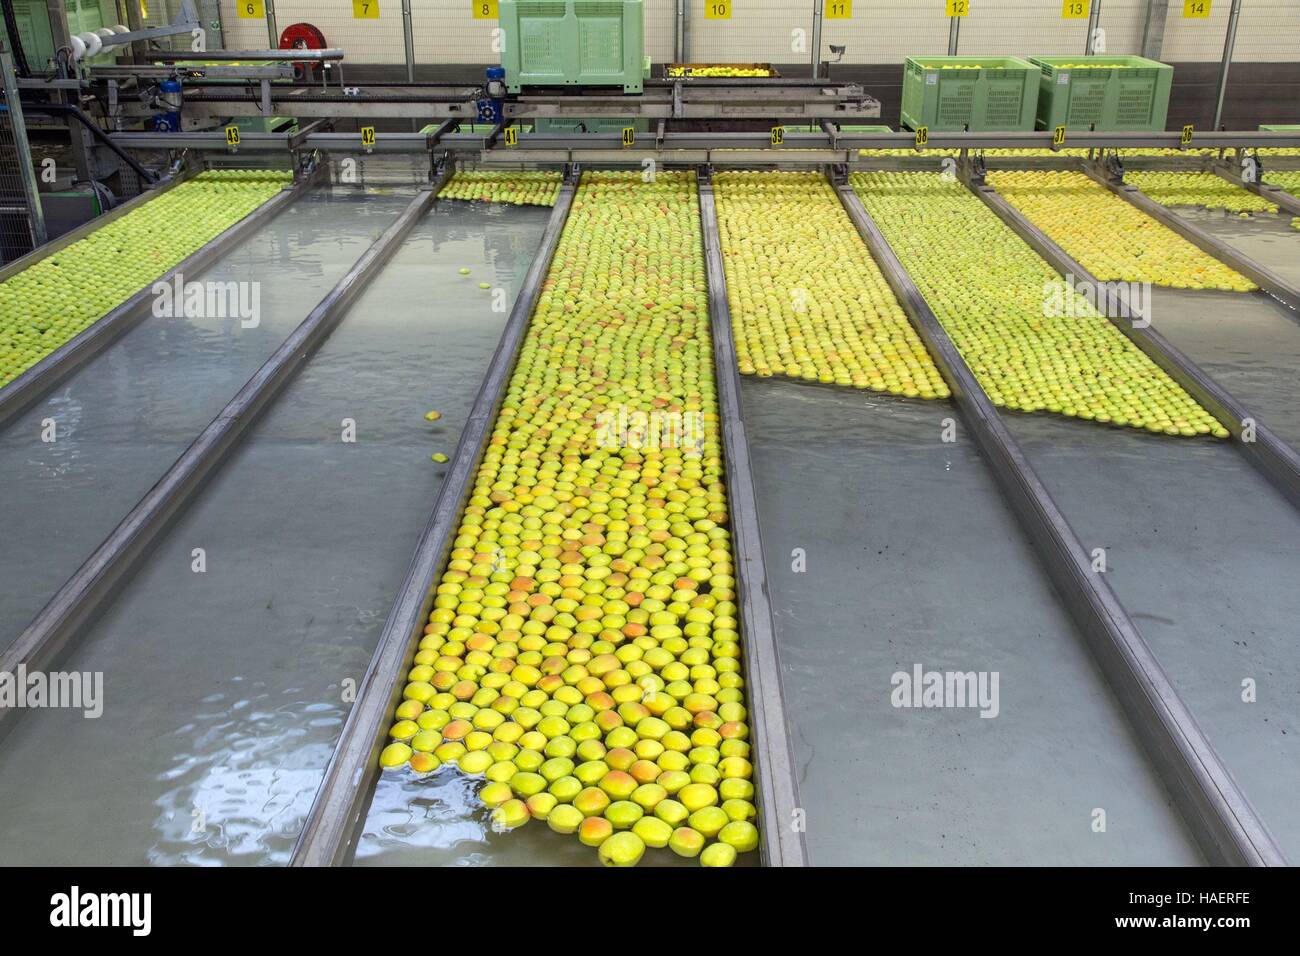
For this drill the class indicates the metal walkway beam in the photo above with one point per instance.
(778, 785)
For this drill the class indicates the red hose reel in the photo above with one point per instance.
(302, 36)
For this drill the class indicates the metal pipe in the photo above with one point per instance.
(1094, 16)
(679, 32)
(28, 387)
(954, 28)
(98, 580)
(76, 113)
(1153, 29)
(329, 832)
(408, 40)
(272, 31)
(778, 786)
(1228, 43)
(819, 14)
(23, 153)
(1223, 823)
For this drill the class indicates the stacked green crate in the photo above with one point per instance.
(976, 93)
(1103, 92)
(573, 43)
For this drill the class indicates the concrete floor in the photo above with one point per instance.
(912, 558)
(224, 689)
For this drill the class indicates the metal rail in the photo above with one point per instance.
(329, 833)
(843, 142)
(778, 785)
(1267, 453)
(1221, 819)
(1274, 194)
(97, 581)
(1266, 279)
(28, 387)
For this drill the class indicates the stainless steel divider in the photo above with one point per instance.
(778, 786)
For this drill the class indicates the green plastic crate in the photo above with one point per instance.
(945, 94)
(573, 43)
(84, 16)
(1118, 93)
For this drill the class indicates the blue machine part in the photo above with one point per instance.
(490, 109)
(170, 96)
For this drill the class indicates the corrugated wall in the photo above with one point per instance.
(881, 31)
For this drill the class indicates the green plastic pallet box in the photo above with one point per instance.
(573, 43)
(979, 93)
(1103, 92)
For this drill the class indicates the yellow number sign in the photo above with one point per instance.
(629, 136)
(232, 135)
(1196, 9)
(922, 136)
(778, 135)
(1058, 136)
(251, 9)
(365, 9)
(838, 10)
(957, 8)
(367, 136)
(1075, 9)
(1186, 138)
(484, 9)
(512, 136)
(717, 9)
